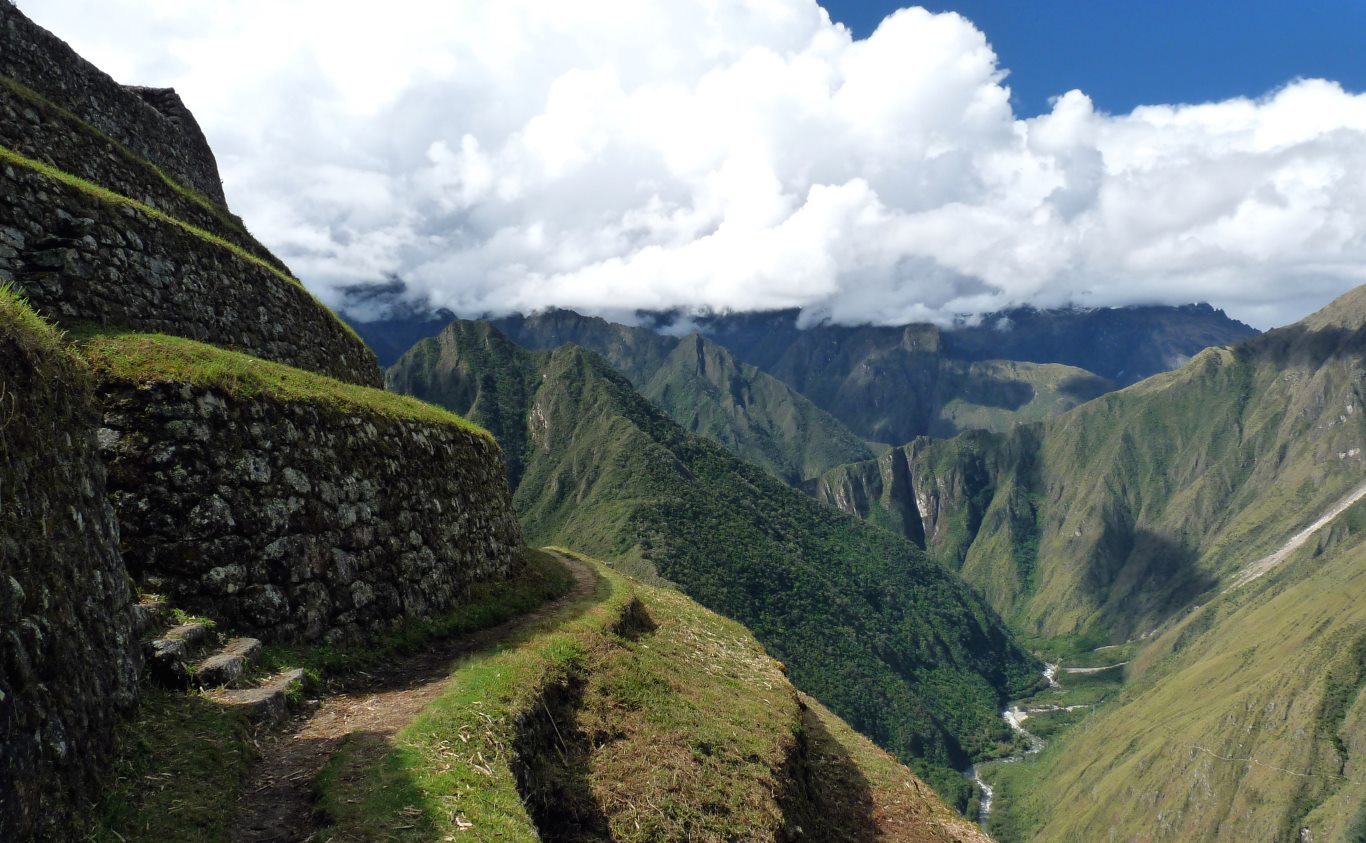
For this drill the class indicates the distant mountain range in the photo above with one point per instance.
(799, 401)
(863, 619)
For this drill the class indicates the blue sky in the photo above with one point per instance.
(1125, 54)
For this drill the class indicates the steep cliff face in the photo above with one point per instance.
(67, 664)
(971, 502)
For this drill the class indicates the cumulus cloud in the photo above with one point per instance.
(734, 154)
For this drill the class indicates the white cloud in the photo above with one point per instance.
(733, 154)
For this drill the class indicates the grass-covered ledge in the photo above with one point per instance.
(145, 358)
(26, 326)
(111, 197)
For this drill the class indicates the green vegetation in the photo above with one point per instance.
(487, 604)
(1254, 700)
(105, 195)
(183, 759)
(701, 385)
(181, 765)
(1107, 520)
(997, 395)
(1243, 717)
(143, 358)
(887, 639)
(22, 324)
(643, 717)
(753, 415)
(53, 111)
(108, 196)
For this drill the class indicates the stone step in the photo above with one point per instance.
(166, 656)
(227, 666)
(149, 613)
(267, 701)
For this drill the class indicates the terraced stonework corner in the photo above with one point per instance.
(293, 520)
(154, 123)
(67, 663)
(78, 258)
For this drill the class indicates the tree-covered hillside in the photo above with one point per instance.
(864, 620)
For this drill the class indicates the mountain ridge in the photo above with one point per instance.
(609, 472)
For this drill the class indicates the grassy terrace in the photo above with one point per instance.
(144, 358)
(20, 322)
(53, 111)
(103, 194)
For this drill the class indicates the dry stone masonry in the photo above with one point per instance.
(67, 664)
(153, 123)
(34, 128)
(79, 259)
(290, 520)
(294, 521)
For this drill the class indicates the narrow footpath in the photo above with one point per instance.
(277, 804)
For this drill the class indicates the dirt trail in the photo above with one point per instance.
(277, 803)
(1267, 563)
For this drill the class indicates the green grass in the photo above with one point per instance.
(183, 760)
(486, 605)
(634, 716)
(21, 322)
(108, 196)
(453, 765)
(888, 639)
(144, 358)
(52, 110)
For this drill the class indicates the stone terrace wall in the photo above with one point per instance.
(296, 522)
(67, 662)
(78, 258)
(165, 133)
(37, 130)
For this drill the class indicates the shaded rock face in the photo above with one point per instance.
(297, 522)
(67, 663)
(154, 123)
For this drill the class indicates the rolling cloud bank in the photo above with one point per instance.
(737, 154)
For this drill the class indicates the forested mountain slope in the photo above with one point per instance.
(866, 623)
(706, 390)
(1110, 517)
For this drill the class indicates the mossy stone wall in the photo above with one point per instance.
(295, 521)
(154, 123)
(79, 259)
(68, 666)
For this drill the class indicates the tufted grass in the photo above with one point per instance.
(21, 322)
(642, 714)
(146, 358)
(104, 194)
